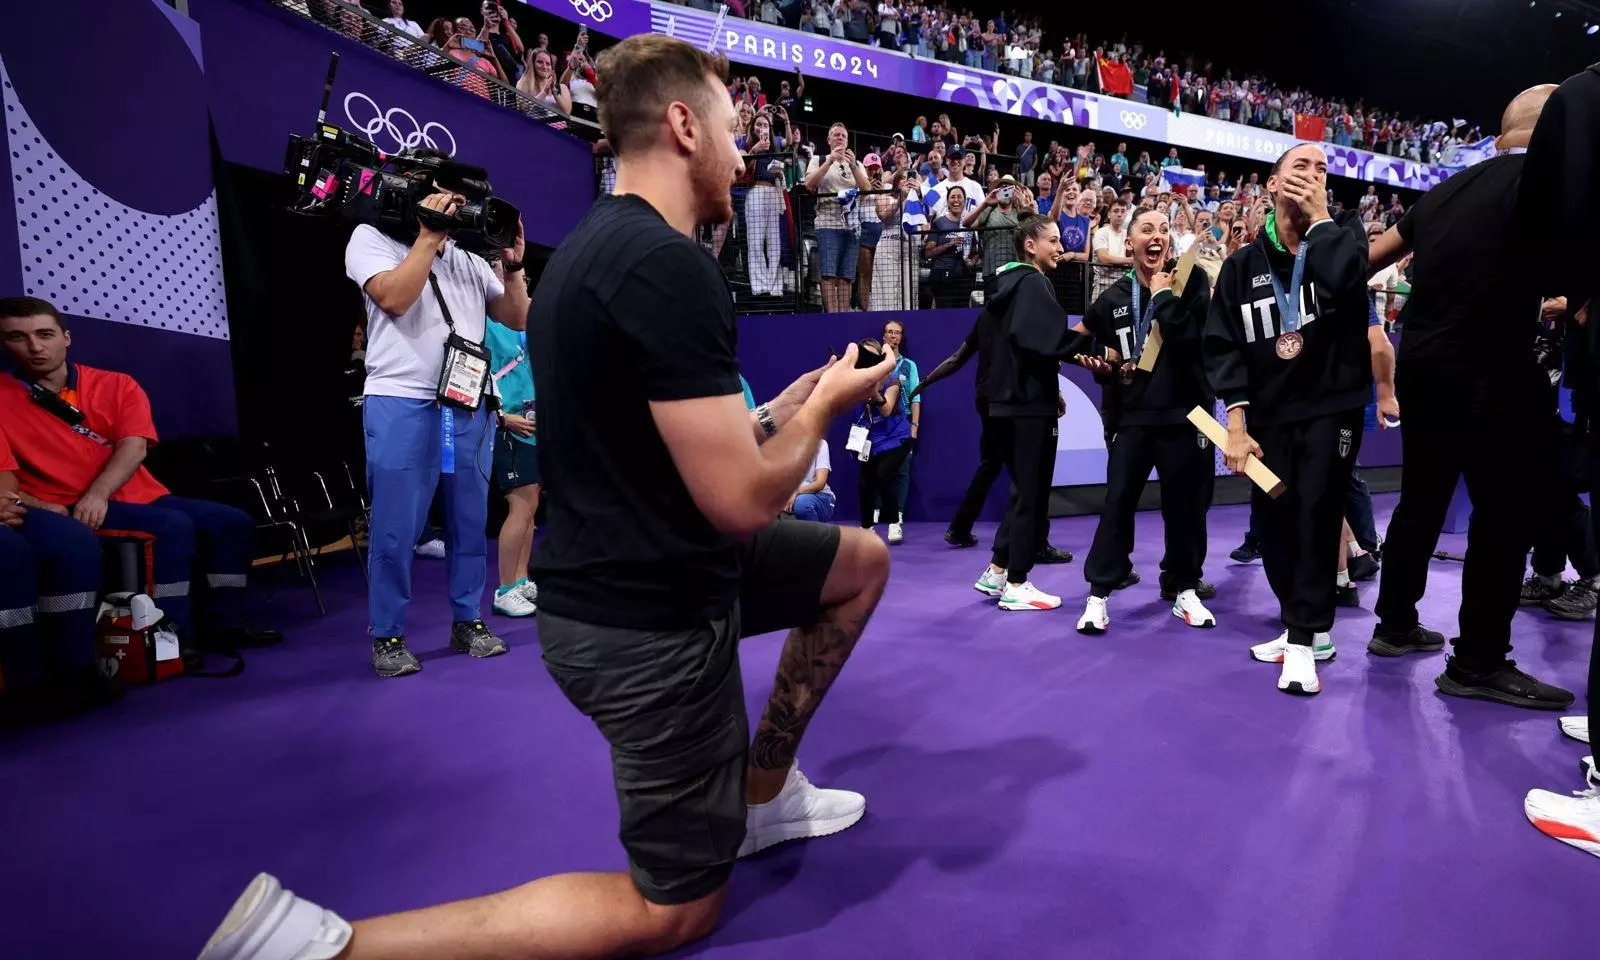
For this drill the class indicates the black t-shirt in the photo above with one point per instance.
(1470, 307)
(628, 311)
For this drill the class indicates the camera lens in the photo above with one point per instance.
(497, 220)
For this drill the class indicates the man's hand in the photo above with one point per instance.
(789, 507)
(1310, 195)
(441, 201)
(1552, 308)
(521, 426)
(90, 510)
(1099, 366)
(1388, 409)
(1162, 280)
(11, 511)
(842, 386)
(518, 248)
(1240, 447)
(1582, 316)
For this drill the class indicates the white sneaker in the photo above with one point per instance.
(874, 516)
(897, 532)
(514, 603)
(1576, 727)
(1095, 619)
(1026, 596)
(433, 549)
(268, 922)
(531, 591)
(1272, 650)
(1188, 608)
(991, 583)
(800, 810)
(1573, 820)
(1299, 674)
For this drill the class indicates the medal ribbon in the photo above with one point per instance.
(1289, 304)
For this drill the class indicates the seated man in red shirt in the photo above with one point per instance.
(49, 574)
(92, 471)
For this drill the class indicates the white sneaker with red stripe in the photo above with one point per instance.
(1188, 608)
(1576, 727)
(1026, 596)
(268, 922)
(1573, 820)
(1272, 650)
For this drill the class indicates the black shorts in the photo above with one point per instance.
(671, 704)
(516, 464)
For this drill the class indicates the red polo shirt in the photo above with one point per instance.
(54, 463)
(8, 463)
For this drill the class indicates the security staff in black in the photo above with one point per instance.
(1152, 429)
(991, 455)
(1287, 340)
(1466, 374)
(1031, 341)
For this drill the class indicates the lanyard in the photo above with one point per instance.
(1289, 305)
(1141, 321)
(447, 440)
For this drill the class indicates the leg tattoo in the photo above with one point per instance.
(811, 660)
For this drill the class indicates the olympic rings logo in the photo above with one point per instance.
(597, 10)
(407, 134)
(1133, 119)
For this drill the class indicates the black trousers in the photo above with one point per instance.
(1594, 649)
(1186, 463)
(991, 460)
(1030, 458)
(1500, 437)
(877, 484)
(1568, 533)
(1300, 529)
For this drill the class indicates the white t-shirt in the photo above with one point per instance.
(1111, 240)
(935, 197)
(405, 354)
(582, 91)
(820, 462)
(1381, 282)
(404, 26)
(839, 178)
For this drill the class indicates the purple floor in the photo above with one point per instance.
(1032, 793)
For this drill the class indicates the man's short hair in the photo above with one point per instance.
(640, 76)
(1119, 202)
(30, 307)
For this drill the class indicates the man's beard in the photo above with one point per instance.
(713, 199)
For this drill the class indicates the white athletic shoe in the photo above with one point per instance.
(1573, 820)
(897, 532)
(268, 922)
(1026, 596)
(1299, 674)
(1272, 650)
(1188, 608)
(514, 603)
(874, 517)
(433, 549)
(1095, 618)
(991, 584)
(1576, 727)
(531, 591)
(800, 810)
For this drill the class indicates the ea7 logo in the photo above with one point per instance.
(1346, 436)
(1200, 438)
(1261, 281)
(1120, 312)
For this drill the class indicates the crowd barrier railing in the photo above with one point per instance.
(354, 22)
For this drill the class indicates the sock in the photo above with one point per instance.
(502, 591)
(1356, 550)
(1549, 580)
(1343, 578)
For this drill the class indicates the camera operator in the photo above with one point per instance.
(412, 437)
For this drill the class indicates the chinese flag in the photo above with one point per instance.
(1309, 127)
(1115, 78)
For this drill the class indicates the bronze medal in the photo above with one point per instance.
(1290, 345)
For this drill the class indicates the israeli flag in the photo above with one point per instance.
(915, 215)
(1465, 155)
(1182, 177)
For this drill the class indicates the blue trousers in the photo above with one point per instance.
(816, 507)
(49, 579)
(200, 550)
(403, 469)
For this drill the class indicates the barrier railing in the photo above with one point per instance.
(354, 22)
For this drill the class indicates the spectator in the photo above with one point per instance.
(813, 500)
(1383, 283)
(1109, 241)
(959, 176)
(909, 378)
(871, 230)
(946, 252)
(1182, 230)
(49, 575)
(919, 130)
(1171, 159)
(789, 98)
(1045, 199)
(996, 218)
(1120, 158)
(539, 81)
(516, 464)
(764, 206)
(894, 275)
(93, 472)
(578, 79)
(833, 178)
(467, 50)
(888, 25)
(886, 419)
(1027, 159)
(500, 33)
(397, 19)
(407, 334)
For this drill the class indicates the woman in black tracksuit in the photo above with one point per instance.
(1031, 341)
(1299, 362)
(1151, 427)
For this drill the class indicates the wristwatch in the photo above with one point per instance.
(769, 426)
(511, 266)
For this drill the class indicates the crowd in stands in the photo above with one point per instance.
(1015, 44)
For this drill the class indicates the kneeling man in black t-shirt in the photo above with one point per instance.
(663, 548)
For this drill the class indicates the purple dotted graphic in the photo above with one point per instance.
(83, 251)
